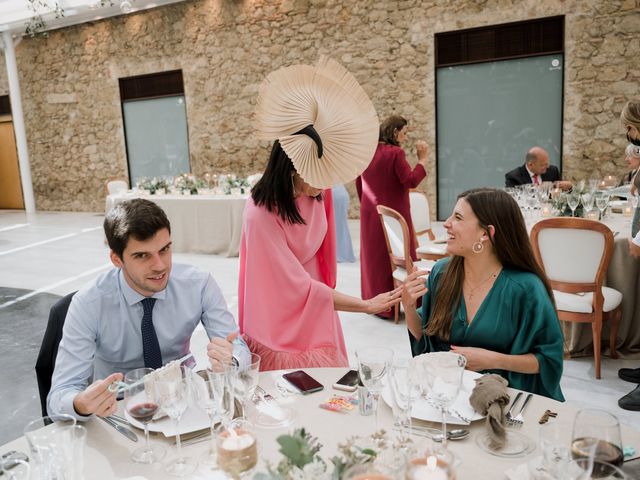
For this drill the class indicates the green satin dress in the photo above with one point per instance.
(516, 317)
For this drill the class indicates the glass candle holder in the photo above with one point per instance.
(237, 448)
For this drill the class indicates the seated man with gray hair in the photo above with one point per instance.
(536, 170)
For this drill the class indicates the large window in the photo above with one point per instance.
(490, 109)
(155, 125)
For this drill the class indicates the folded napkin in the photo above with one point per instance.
(489, 397)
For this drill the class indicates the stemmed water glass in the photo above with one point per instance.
(587, 202)
(173, 396)
(246, 381)
(373, 363)
(443, 373)
(215, 396)
(573, 200)
(405, 389)
(141, 404)
(602, 202)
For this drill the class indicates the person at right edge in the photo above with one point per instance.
(630, 118)
(386, 181)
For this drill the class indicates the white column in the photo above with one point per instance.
(18, 122)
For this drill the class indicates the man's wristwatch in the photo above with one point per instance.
(235, 362)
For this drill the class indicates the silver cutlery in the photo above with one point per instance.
(518, 421)
(198, 438)
(127, 432)
(509, 416)
(119, 419)
(436, 434)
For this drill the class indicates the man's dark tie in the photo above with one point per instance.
(150, 345)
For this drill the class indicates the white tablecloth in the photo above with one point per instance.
(108, 452)
(199, 223)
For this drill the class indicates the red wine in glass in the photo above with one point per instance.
(143, 412)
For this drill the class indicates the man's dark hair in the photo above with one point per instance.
(137, 218)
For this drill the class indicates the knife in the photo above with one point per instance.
(127, 432)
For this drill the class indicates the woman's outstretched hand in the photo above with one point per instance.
(384, 301)
(414, 287)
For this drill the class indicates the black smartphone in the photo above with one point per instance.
(348, 382)
(303, 382)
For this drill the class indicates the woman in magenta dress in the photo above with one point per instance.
(287, 302)
(386, 181)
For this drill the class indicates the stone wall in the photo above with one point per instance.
(226, 47)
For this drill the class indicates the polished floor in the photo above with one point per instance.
(50, 254)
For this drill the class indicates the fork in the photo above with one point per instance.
(518, 421)
(508, 416)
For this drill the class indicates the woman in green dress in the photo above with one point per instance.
(489, 301)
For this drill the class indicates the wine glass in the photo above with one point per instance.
(587, 202)
(602, 202)
(596, 437)
(443, 373)
(216, 398)
(405, 389)
(245, 381)
(373, 363)
(573, 200)
(172, 394)
(141, 405)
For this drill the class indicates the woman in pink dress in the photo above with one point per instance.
(287, 302)
(386, 181)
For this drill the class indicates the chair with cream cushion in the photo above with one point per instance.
(396, 233)
(116, 185)
(575, 254)
(421, 218)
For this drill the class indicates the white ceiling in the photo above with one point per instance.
(14, 14)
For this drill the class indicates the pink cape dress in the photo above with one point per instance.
(287, 273)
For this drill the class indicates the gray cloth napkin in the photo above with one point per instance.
(490, 397)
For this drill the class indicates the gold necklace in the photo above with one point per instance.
(472, 291)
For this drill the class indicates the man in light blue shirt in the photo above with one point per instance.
(107, 331)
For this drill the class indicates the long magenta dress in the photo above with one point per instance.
(287, 273)
(386, 181)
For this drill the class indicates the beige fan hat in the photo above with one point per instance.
(323, 119)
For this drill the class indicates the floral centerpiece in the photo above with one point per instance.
(234, 182)
(188, 183)
(153, 185)
(302, 460)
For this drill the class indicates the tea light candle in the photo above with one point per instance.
(546, 211)
(626, 211)
(432, 469)
(237, 451)
(592, 215)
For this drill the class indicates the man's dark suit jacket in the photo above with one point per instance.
(520, 176)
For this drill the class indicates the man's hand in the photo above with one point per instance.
(220, 351)
(97, 399)
(634, 250)
(565, 185)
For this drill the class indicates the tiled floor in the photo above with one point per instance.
(56, 253)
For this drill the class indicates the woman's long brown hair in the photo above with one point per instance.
(510, 242)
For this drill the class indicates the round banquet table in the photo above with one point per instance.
(107, 455)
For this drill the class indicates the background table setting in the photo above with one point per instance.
(595, 200)
(344, 426)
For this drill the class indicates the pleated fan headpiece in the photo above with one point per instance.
(323, 119)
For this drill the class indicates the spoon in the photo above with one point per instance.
(436, 434)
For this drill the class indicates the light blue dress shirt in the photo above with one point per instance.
(102, 335)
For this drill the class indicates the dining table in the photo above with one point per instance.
(108, 453)
(202, 223)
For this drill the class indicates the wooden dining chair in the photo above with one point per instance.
(575, 255)
(425, 238)
(396, 234)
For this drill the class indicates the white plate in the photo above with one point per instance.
(422, 410)
(193, 419)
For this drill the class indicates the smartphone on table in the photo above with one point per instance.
(348, 382)
(304, 382)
